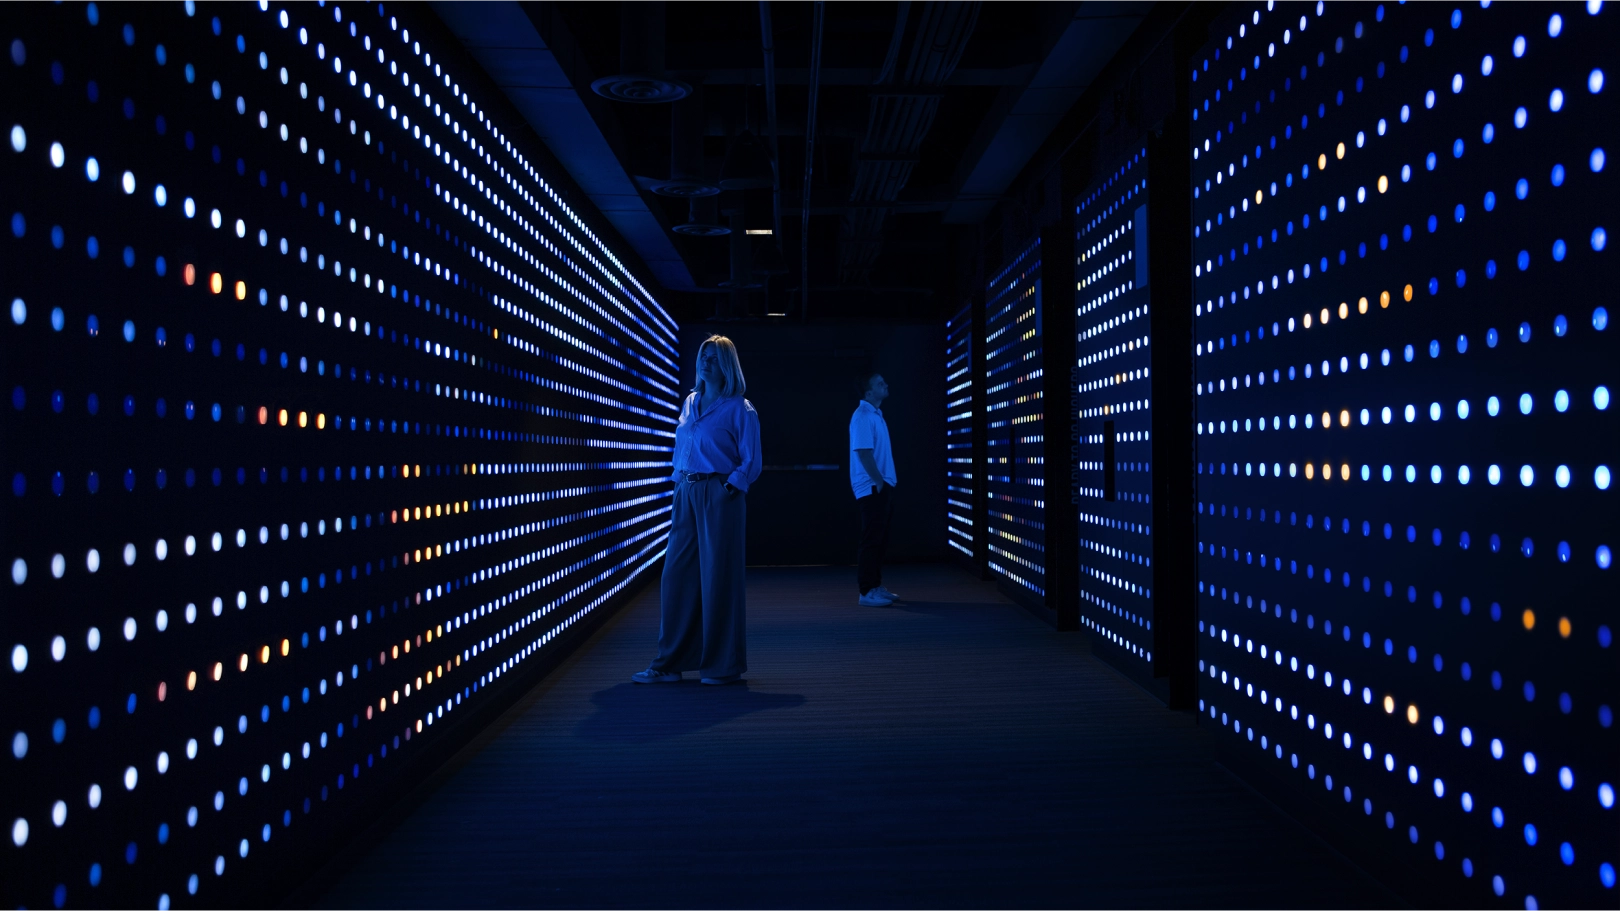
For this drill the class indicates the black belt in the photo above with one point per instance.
(692, 477)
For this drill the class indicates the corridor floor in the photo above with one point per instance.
(950, 751)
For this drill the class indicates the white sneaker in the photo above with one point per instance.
(874, 598)
(888, 594)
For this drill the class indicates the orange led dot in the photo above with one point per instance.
(286, 648)
(419, 471)
(1310, 471)
(1407, 293)
(1383, 300)
(1361, 305)
(1327, 421)
(407, 646)
(191, 681)
(1324, 316)
(430, 676)
(264, 415)
(436, 510)
(1563, 627)
(396, 651)
(241, 291)
(281, 417)
(242, 662)
(320, 421)
(219, 670)
(163, 691)
(190, 274)
(1339, 152)
(216, 283)
(419, 726)
(441, 629)
(1344, 310)
(458, 661)
(1258, 196)
(405, 470)
(430, 635)
(1321, 162)
(418, 512)
(303, 419)
(1307, 321)
(1344, 471)
(438, 550)
(1529, 619)
(396, 697)
(1383, 183)
(1344, 418)
(1411, 714)
(264, 655)
(1389, 705)
(382, 704)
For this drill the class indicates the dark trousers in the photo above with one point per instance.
(702, 623)
(876, 510)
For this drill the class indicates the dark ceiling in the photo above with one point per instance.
(926, 113)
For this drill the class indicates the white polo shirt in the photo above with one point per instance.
(867, 430)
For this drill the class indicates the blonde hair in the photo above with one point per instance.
(730, 367)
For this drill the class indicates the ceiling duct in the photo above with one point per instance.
(743, 276)
(641, 78)
(902, 108)
(748, 164)
(686, 151)
(704, 220)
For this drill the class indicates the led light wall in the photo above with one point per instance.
(1014, 483)
(326, 414)
(1404, 369)
(1112, 383)
(959, 407)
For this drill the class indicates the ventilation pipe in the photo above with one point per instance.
(686, 151)
(748, 164)
(742, 262)
(704, 220)
(641, 78)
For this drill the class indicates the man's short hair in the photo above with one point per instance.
(864, 381)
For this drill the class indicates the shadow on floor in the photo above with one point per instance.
(632, 713)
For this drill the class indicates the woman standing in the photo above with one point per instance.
(702, 622)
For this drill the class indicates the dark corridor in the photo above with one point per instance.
(952, 751)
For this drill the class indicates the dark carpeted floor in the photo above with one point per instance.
(952, 751)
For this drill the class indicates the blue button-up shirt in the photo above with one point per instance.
(723, 440)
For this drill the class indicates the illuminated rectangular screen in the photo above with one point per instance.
(326, 413)
(959, 432)
(1405, 436)
(1014, 478)
(1113, 404)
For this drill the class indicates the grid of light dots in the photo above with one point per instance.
(180, 657)
(1111, 383)
(959, 431)
(1423, 645)
(1015, 498)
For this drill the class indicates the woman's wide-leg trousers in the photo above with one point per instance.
(703, 622)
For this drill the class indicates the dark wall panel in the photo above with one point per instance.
(1404, 365)
(330, 423)
(803, 379)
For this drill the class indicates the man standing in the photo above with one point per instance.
(871, 475)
